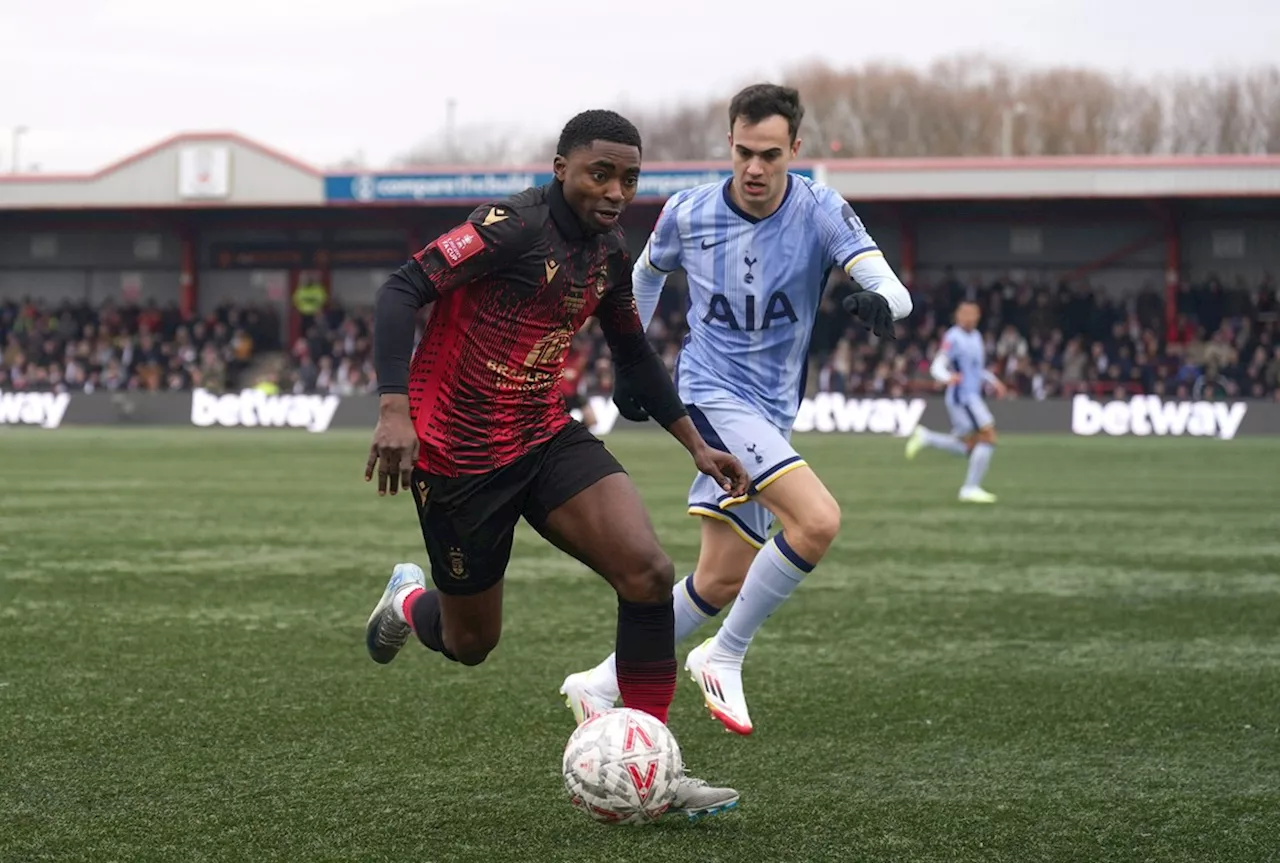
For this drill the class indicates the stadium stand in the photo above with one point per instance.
(76, 347)
(1048, 340)
(232, 259)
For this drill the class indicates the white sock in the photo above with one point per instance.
(776, 571)
(397, 601)
(979, 461)
(944, 442)
(691, 612)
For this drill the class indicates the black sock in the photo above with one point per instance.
(646, 656)
(428, 624)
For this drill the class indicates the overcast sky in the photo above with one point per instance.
(324, 79)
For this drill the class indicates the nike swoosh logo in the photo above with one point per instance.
(706, 246)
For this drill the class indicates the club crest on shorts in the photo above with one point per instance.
(457, 562)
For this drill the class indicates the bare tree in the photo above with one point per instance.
(1193, 117)
(353, 162)
(470, 145)
(964, 105)
(973, 104)
(1140, 118)
(1264, 96)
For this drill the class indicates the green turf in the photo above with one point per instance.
(1088, 671)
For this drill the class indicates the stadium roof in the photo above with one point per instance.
(224, 169)
(1098, 177)
(196, 169)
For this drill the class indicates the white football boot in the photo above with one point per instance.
(976, 495)
(720, 679)
(586, 695)
(696, 799)
(386, 632)
(915, 443)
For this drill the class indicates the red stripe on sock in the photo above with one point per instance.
(648, 686)
(406, 607)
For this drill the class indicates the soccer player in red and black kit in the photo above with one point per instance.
(476, 425)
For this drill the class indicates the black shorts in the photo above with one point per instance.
(468, 522)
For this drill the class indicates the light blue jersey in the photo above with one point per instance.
(966, 354)
(754, 288)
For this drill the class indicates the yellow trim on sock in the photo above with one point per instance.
(782, 557)
(696, 610)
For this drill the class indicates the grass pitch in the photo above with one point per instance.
(1087, 671)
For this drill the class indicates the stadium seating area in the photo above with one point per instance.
(76, 347)
(1046, 341)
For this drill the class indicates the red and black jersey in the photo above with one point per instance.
(511, 286)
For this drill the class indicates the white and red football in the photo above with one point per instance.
(621, 767)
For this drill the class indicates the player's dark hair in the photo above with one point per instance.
(597, 125)
(759, 102)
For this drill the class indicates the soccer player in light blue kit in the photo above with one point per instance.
(961, 363)
(757, 250)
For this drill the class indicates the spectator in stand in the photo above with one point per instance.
(1047, 340)
(82, 348)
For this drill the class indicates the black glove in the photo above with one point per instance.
(872, 311)
(626, 402)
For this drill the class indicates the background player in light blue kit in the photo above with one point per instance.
(757, 250)
(961, 364)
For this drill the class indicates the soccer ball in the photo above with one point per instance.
(621, 767)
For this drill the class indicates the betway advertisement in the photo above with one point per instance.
(832, 412)
(44, 410)
(252, 408)
(1141, 416)
(826, 413)
(1151, 415)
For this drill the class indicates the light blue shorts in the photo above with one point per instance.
(764, 450)
(969, 416)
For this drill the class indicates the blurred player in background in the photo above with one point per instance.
(575, 363)
(961, 364)
(757, 250)
(476, 425)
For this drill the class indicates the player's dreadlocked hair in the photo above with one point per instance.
(761, 101)
(597, 125)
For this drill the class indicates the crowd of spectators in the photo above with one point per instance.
(1044, 340)
(1054, 340)
(78, 347)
